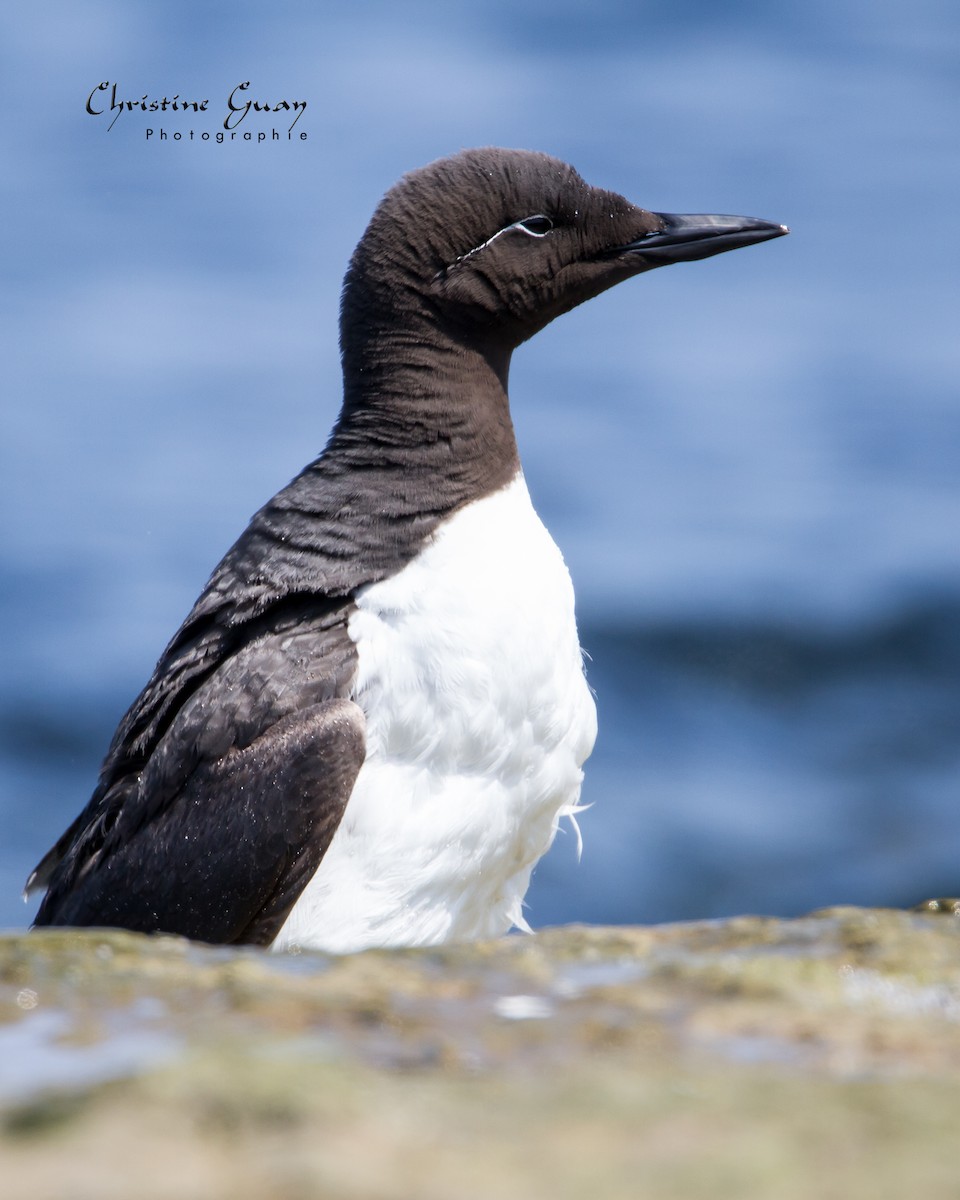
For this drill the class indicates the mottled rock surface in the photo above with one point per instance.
(813, 1058)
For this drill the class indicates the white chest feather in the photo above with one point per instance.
(478, 722)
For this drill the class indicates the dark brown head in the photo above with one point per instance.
(490, 245)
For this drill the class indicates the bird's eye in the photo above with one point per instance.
(536, 226)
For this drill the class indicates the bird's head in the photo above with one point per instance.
(494, 244)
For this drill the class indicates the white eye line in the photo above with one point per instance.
(500, 232)
(532, 232)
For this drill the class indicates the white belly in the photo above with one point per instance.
(478, 722)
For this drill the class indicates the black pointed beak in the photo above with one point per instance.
(687, 238)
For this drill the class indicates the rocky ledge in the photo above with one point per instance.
(809, 1058)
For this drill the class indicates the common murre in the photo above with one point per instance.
(369, 725)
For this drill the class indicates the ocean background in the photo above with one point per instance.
(751, 464)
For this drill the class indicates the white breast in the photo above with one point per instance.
(478, 722)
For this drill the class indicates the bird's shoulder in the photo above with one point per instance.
(266, 636)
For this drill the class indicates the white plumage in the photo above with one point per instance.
(479, 720)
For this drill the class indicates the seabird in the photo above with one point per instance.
(368, 727)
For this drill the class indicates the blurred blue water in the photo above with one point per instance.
(751, 464)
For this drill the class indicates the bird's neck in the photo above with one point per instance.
(424, 404)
